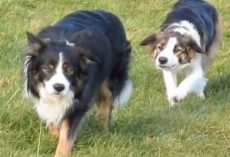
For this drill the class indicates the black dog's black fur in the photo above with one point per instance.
(101, 53)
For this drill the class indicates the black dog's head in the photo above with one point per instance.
(55, 68)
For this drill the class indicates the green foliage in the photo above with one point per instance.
(146, 126)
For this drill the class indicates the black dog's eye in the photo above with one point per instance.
(48, 68)
(68, 69)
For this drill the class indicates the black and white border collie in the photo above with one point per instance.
(84, 56)
(187, 42)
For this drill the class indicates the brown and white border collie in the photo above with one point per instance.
(187, 42)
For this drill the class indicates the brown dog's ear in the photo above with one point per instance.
(196, 48)
(150, 44)
(193, 48)
(149, 40)
(34, 43)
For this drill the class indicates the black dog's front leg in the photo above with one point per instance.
(68, 132)
(72, 122)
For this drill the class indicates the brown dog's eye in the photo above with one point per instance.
(183, 58)
(159, 47)
(48, 68)
(177, 51)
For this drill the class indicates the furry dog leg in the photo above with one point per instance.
(106, 105)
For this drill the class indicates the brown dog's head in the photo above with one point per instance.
(171, 49)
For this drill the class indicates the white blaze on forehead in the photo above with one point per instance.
(186, 27)
(58, 77)
(59, 70)
(170, 45)
(168, 50)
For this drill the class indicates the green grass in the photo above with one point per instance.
(146, 126)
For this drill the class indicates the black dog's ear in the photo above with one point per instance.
(34, 43)
(149, 40)
(89, 58)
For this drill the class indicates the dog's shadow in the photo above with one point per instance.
(218, 86)
(170, 120)
(161, 122)
(136, 128)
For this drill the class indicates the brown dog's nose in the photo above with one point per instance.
(163, 60)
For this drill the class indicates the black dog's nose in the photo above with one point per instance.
(163, 60)
(59, 87)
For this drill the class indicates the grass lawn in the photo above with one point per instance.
(146, 126)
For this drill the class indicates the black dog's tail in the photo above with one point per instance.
(125, 93)
(121, 82)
